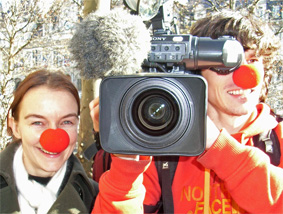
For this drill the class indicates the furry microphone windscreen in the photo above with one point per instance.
(111, 43)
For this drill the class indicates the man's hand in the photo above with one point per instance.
(94, 113)
(212, 133)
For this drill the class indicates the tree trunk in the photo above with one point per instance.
(90, 90)
(232, 4)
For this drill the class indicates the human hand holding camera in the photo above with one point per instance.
(212, 132)
(94, 114)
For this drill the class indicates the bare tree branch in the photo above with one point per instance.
(28, 40)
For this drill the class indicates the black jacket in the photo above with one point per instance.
(76, 194)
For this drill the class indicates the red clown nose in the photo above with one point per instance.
(54, 140)
(247, 76)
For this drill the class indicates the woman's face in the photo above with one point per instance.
(43, 108)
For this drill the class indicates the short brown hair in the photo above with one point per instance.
(54, 80)
(250, 31)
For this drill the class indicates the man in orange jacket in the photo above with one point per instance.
(231, 176)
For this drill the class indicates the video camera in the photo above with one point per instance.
(162, 111)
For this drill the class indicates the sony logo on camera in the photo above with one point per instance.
(158, 38)
(153, 114)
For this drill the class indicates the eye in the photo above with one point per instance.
(252, 60)
(37, 123)
(67, 122)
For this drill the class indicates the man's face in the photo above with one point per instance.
(224, 96)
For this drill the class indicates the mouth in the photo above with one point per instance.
(240, 92)
(47, 152)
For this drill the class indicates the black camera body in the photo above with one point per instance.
(153, 114)
(163, 110)
(183, 53)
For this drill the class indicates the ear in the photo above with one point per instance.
(15, 127)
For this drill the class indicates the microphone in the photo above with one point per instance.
(54, 140)
(110, 43)
(248, 76)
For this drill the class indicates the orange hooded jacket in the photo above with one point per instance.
(230, 177)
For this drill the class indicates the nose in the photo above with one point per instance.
(54, 140)
(244, 61)
(53, 125)
(248, 75)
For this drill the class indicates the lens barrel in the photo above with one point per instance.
(155, 112)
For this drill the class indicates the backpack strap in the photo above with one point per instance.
(269, 143)
(166, 167)
(93, 148)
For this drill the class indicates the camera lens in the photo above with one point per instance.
(155, 112)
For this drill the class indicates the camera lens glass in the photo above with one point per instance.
(155, 112)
